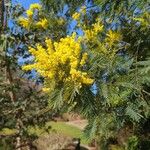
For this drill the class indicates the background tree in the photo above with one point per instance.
(22, 103)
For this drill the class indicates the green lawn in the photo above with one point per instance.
(69, 130)
(60, 127)
(7, 131)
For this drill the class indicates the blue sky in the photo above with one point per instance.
(25, 3)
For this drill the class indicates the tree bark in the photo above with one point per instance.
(2, 13)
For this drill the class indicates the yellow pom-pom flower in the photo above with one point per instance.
(29, 13)
(24, 22)
(43, 23)
(112, 37)
(60, 61)
(35, 6)
(76, 16)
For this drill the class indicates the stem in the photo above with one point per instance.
(146, 92)
(9, 80)
(18, 143)
(2, 13)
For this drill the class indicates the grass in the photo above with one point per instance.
(69, 130)
(7, 131)
(62, 128)
(59, 127)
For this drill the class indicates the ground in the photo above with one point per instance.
(66, 131)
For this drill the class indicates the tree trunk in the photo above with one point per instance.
(2, 13)
(97, 145)
(18, 143)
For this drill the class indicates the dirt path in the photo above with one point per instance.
(81, 124)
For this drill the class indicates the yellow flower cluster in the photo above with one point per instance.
(35, 6)
(77, 75)
(112, 37)
(45, 89)
(61, 60)
(27, 22)
(32, 8)
(24, 22)
(106, 46)
(43, 23)
(90, 34)
(29, 13)
(76, 16)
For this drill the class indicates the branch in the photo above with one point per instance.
(146, 92)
